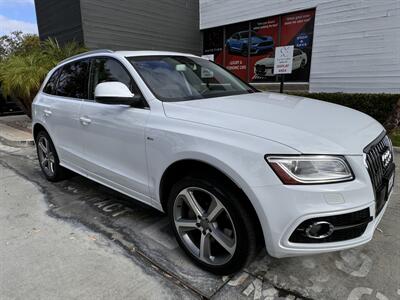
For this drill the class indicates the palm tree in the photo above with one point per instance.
(22, 74)
(56, 53)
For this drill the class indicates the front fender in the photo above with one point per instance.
(237, 155)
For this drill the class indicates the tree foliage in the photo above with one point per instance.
(24, 63)
(17, 43)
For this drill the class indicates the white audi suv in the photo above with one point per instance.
(234, 168)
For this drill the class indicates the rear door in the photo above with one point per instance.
(62, 111)
(114, 135)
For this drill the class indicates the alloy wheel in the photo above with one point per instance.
(204, 225)
(46, 156)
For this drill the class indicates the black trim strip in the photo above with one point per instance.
(375, 142)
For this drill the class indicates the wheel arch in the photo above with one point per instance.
(37, 127)
(186, 167)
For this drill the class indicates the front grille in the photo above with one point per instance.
(379, 161)
(346, 227)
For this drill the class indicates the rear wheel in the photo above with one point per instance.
(48, 158)
(211, 224)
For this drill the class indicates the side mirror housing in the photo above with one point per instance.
(115, 93)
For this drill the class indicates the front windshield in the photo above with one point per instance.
(182, 78)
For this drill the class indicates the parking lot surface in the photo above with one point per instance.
(78, 239)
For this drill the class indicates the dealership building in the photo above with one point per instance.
(339, 45)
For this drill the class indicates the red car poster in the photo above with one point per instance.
(236, 49)
(268, 27)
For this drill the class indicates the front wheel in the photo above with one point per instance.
(211, 225)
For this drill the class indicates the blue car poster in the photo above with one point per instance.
(236, 49)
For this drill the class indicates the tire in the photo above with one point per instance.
(49, 163)
(242, 230)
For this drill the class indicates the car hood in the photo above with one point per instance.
(307, 125)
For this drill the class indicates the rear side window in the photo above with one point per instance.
(50, 87)
(73, 80)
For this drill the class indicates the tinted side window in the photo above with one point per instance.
(50, 87)
(108, 69)
(73, 80)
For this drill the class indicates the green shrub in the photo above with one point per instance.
(23, 70)
(378, 106)
(395, 137)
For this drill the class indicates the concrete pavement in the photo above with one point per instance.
(47, 258)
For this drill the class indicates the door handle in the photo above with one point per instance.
(47, 112)
(85, 121)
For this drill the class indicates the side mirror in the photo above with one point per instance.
(115, 93)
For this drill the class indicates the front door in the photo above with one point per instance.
(114, 135)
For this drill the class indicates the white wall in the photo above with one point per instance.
(356, 43)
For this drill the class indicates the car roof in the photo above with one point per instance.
(123, 54)
(150, 53)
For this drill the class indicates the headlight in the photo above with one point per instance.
(310, 169)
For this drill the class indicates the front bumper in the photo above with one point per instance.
(286, 207)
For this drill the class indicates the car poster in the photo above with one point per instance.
(255, 62)
(236, 49)
(297, 29)
(261, 63)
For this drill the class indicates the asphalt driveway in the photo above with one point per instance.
(77, 239)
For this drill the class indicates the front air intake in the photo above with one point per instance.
(333, 228)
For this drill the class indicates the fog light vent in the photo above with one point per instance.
(332, 228)
(319, 230)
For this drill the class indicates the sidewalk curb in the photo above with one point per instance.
(15, 137)
(25, 143)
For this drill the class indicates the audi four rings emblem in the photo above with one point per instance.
(386, 158)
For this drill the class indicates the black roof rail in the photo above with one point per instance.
(99, 51)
